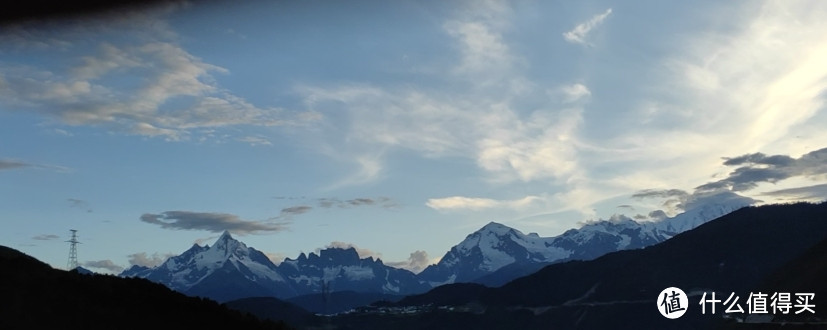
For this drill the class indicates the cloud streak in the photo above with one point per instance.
(478, 204)
(809, 193)
(9, 164)
(12, 164)
(579, 33)
(79, 203)
(383, 202)
(756, 168)
(328, 203)
(212, 222)
(45, 237)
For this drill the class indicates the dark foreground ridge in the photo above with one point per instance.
(36, 296)
(773, 248)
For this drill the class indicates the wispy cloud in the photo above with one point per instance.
(255, 141)
(809, 193)
(148, 260)
(212, 222)
(79, 203)
(503, 142)
(9, 164)
(581, 31)
(287, 213)
(477, 204)
(575, 92)
(178, 93)
(103, 264)
(383, 202)
(484, 55)
(45, 237)
(504, 139)
(308, 205)
(757, 168)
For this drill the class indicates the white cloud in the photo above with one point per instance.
(580, 32)
(540, 147)
(482, 49)
(255, 141)
(275, 257)
(142, 82)
(107, 264)
(478, 204)
(732, 92)
(416, 263)
(147, 260)
(575, 92)
(479, 118)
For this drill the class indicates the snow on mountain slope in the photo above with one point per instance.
(488, 249)
(702, 209)
(201, 270)
(497, 247)
(343, 270)
(492, 255)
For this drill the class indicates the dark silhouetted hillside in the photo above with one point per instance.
(269, 308)
(340, 301)
(35, 296)
(773, 244)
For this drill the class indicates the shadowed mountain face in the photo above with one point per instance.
(496, 254)
(737, 253)
(35, 296)
(344, 270)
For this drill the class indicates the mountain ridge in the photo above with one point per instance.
(493, 255)
(742, 252)
(494, 262)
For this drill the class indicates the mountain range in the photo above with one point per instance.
(230, 270)
(493, 255)
(497, 254)
(767, 249)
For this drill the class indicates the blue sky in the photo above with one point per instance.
(399, 127)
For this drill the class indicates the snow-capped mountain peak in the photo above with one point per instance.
(703, 208)
(495, 227)
(488, 249)
(198, 269)
(495, 246)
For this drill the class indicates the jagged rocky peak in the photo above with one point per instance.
(225, 240)
(340, 255)
(227, 245)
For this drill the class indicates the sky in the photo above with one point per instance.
(397, 127)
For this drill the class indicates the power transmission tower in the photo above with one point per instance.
(73, 250)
